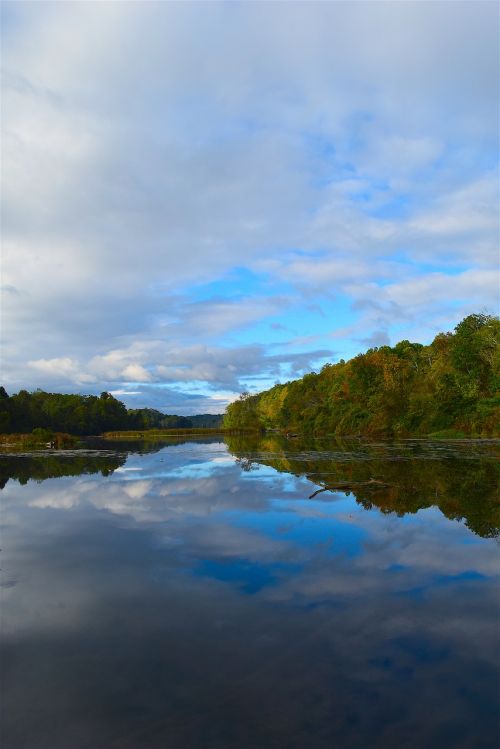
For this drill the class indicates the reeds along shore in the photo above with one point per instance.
(158, 433)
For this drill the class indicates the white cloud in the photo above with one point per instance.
(63, 368)
(467, 218)
(474, 287)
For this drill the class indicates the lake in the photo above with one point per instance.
(257, 593)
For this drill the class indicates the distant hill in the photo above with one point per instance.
(448, 388)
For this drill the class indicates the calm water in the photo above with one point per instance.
(194, 596)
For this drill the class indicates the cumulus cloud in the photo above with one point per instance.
(156, 363)
(62, 368)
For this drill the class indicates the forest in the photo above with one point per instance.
(449, 388)
(85, 414)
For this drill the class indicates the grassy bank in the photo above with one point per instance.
(45, 439)
(38, 439)
(160, 433)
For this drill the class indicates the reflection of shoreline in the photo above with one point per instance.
(43, 466)
(98, 456)
(462, 481)
(403, 477)
(149, 445)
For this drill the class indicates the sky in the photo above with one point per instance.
(201, 198)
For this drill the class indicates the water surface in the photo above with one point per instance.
(193, 596)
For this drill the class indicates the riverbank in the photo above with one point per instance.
(148, 434)
(37, 439)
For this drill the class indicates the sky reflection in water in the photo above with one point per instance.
(193, 600)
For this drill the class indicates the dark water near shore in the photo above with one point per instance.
(193, 595)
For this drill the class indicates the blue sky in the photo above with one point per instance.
(201, 198)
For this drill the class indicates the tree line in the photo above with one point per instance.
(85, 414)
(448, 388)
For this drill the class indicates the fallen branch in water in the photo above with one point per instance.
(349, 486)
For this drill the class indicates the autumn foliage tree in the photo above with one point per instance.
(451, 386)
